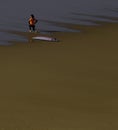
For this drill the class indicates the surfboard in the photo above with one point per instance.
(45, 38)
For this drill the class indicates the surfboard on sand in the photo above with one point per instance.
(45, 38)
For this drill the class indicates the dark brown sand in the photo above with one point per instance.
(66, 85)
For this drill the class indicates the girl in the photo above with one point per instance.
(32, 21)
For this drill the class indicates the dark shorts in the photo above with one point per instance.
(32, 27)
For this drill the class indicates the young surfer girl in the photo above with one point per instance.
(32, 21)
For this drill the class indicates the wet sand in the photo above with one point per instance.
(66, 85)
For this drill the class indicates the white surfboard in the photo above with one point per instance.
(45, 38)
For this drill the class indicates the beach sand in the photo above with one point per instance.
(66, 85)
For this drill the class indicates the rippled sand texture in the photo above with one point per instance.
(66, 85)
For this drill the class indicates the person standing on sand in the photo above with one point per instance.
(32, 21)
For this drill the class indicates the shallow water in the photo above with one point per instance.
(16, 13)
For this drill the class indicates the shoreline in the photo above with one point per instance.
(71, 84)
